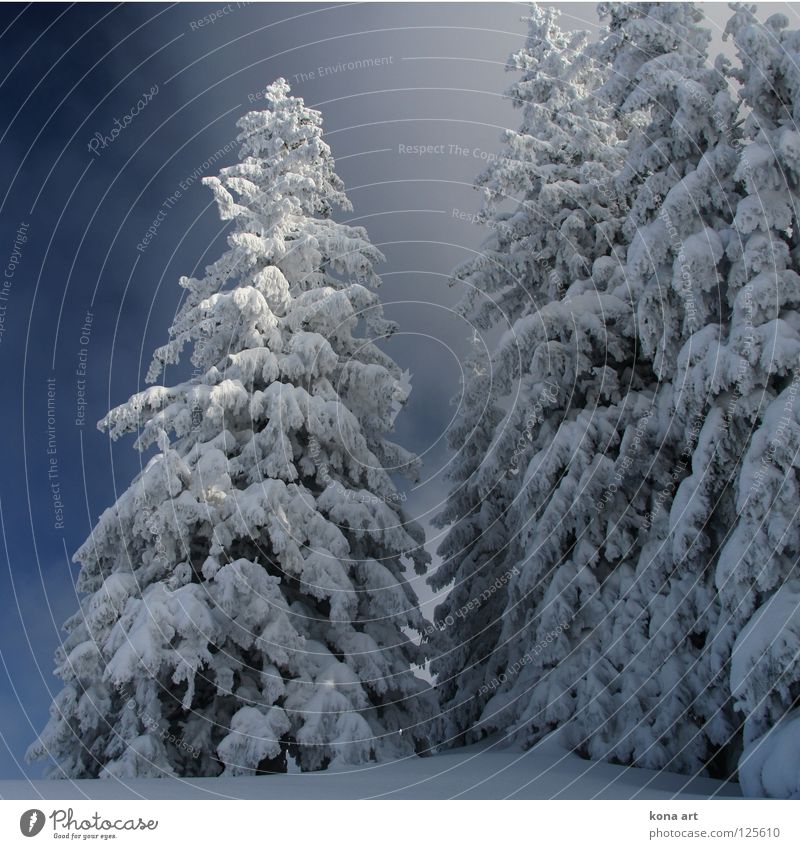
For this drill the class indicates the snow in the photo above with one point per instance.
(259, 560)
(637, 563)
(481, 771)
(769, 639)
(770, 767)
(620, 534)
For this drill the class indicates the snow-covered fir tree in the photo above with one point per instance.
(755, 386)
(467, 621)
(246, 599)
(615, 650)
(552, 208)
(653, 698)
(652, 597)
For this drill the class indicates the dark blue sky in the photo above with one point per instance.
(81, 292)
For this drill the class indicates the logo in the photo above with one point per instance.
(31, 822)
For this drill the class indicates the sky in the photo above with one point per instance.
(111, 115)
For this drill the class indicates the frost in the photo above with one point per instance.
(246, 596)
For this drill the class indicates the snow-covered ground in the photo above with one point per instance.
(487, 771)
